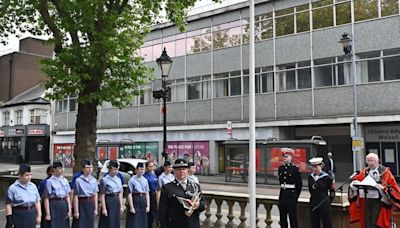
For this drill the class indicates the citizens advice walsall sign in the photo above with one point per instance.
(382, 134)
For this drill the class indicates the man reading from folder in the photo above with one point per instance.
(370, 195)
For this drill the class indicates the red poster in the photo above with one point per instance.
(299, 159)
(102, 153)
(63, 153)
(113, 153)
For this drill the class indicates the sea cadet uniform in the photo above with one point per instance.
(139, 188)
(111, 187)
(291, 183)
(57, 189)
(153, 185)
(85, 189)
(23, 199)
(320, 187)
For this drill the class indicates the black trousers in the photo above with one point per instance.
(284, 211)
(322, 213)
(152, 216)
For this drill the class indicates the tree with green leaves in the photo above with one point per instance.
(95, 42)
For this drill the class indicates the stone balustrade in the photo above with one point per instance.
(226, 209)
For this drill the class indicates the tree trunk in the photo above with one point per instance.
(85, 135)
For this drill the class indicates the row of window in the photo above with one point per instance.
(36, 116)
(336, 71)
(373, 66)
(325, 13)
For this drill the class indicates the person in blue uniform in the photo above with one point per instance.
(42, 185)
(138, 200)
(164, 178)
(291, 184)
(23, 201)
(153, 185)
(111, 193)
(320, 187)
(85, 197)
(192, 172)
(181, 200)
(57, 201)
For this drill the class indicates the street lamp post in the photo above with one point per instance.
(165, 63)
(347, 42)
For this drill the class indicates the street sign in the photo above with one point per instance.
(229, 129)
(357, 143)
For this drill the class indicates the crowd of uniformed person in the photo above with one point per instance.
(164, 201)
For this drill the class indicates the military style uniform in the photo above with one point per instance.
(85, 188)
(172, 211)
(291, 184)
(320, 186)
(23, 199)
(111, 188)
(56, 190)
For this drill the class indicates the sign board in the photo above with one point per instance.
(229, 129)
(357, 143)
(382, 133)
(35, 131)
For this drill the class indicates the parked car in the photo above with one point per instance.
(127, 167)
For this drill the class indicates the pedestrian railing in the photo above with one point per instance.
(226, 209)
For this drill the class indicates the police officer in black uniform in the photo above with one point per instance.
(320, 187)
(291, 184)
(175, 208)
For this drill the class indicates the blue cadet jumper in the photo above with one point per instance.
(152, 216)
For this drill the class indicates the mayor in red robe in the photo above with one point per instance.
(373, 208)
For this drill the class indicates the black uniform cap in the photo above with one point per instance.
(86, 162)
(191, 164)
(140, 165)
(57, 164)
(167, 163)
(180, 163)
(113, 163)
(24, 168)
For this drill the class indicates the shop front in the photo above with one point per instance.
(25, 144)
(196, 152)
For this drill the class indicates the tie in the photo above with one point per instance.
(183, 184)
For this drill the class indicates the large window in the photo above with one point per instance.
(6, 118)
(37, 116)
(389, 7)
(391, 64)
(368, 67)
(324, 72)
(199, 87)
(302, 18)
(286, 77)
(18, 117)
(343, 12)
(284, 20)
(264, 27)
(322, 14)
(365, 9)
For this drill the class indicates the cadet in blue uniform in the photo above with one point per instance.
(320, 185)
(291, 184)
(164, 178)
(42, 185)
(175, 197)
(85, 197)
(23, 201)
(138, 200)
(111, 193)
(57, 201)
(153, 185)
